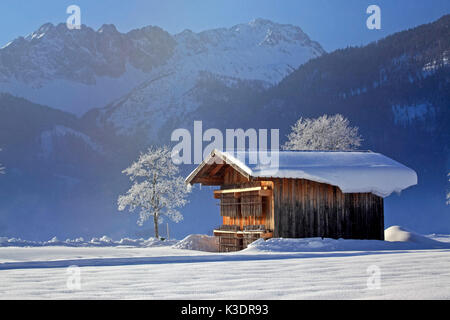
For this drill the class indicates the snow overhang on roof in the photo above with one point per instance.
(352, 172)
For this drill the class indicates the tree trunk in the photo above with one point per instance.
(155, 221)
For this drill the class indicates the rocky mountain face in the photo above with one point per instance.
(78, 70)
(57, 53)
(131, 90)
(257, 55)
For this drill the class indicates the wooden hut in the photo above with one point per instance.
(301, 194)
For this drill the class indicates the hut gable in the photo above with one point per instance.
(219, 169)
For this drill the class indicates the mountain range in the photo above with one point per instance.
(79, 105)
(78, 70)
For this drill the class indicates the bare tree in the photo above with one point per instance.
(323, 133)
(157, 189)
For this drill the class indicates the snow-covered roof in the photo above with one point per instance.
(352, 172)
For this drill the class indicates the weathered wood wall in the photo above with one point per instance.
(304, 208)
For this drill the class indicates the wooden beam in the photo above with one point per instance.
(208, 181)
(265, 193)
(216, 169)
(237, 190)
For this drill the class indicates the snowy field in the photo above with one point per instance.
(412, 267)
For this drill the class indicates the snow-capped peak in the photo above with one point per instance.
(261, 22)
(40, 32)
(260, 52)
(77, 70)
(257, 32)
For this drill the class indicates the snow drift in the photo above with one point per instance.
(401, 234)
(104, 241)
(397, 238)
(198, 242)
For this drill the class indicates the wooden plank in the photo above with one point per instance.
(270, 216)
(209, 181)
(294, 220)
(276, 199)
(302, 209)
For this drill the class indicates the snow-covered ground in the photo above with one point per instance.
(415, 267)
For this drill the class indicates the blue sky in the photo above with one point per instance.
(333, 23)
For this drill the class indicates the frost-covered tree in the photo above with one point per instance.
(323, 133)
(157, 190)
